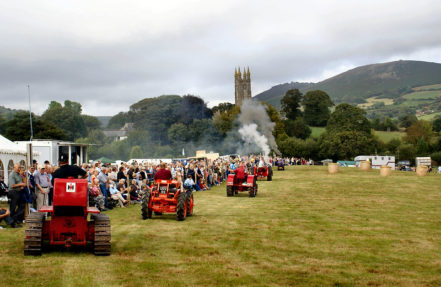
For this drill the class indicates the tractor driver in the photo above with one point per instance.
(66, 170)
(240, 173)
(162, 173)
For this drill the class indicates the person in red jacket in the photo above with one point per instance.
(240, 173)
(162, 173)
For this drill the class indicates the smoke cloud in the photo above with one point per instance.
(256, 129)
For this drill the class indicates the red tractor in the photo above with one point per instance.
(68, 225)
(247, 184)
(264, 172)
(166, 197)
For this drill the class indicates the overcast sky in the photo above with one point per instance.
(110, 54)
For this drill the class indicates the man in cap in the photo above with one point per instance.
(66, 170)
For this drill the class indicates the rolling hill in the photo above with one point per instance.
(386, 80)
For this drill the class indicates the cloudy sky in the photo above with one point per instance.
(109, 54)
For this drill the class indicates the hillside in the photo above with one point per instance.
(386, 80)
(276, 91)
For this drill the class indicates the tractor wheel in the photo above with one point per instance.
(146, 213)
(190, 203)
(33, 234)
(270, 174)
(181, 208)
(255, 190)
(251, 192)
(101, 243)
(230, 191)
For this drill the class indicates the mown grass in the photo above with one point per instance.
(428, 88)
(305, 228)
(429, 117)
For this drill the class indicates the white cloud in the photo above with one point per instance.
(99, 52)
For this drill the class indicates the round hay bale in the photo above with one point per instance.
(365, 165)
(332, 168)
(385, 170)
(421, 170)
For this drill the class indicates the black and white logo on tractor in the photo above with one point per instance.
(70, 186)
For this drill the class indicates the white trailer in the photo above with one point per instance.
(427, 161)
(376, 160)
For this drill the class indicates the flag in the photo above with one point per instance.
(183, 152)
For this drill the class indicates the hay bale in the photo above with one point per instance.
(333, 168)
(385, 170)
(421, 170)
(365, 165)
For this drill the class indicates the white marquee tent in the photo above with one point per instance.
(10, 154)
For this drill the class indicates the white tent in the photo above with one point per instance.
(10, 153)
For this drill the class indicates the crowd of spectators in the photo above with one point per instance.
(111, 186)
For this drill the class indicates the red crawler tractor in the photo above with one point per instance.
(247, 184)
(68, 225)
(264, 172)
(166, 197)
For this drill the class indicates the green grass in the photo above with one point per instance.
(423, 95)
(305, 228)
(428, 88)
(316, 131)
(387, 136)
(429, 117)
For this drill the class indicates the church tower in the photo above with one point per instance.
(242, 86)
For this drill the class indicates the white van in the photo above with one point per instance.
(376, 160)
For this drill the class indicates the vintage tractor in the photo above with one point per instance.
(68, 225)
(265, 171)
(236, 185)
(166, 197)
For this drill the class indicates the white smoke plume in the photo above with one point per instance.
(256, 129)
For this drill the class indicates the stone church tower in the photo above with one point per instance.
(242, 86)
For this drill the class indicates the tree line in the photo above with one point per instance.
(165, 125)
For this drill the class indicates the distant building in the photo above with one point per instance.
(242, 86)
(121, 134)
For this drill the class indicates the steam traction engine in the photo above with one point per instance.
(247, 184)
(68, 225)
(166, 197)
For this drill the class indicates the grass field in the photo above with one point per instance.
(383, 135)
(305, 228)
(422, 95)
(428, 88)
(429, 117)
(373, 100)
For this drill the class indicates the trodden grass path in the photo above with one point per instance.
(305, 228)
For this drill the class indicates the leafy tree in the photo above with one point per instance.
(392, 145)
(118, 120)
(437, 124)
(91, 122)
(406, 152)
(348, 118)
(136, 152)
(3, 122)
(316, 106)
(297, 128)
(346, 144)
(419, 129)
(273, 114)
(223, 121)
(178, 134)
(222, 107)
(192, 107)
(18, 129)
(67, 118)
(436, 156)
(291, 104)
(407, 120)
(296, 147)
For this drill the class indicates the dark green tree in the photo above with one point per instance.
(437, 124)
(297, 128)
(91, 122)
(346, 144)
(348, 118)
(18, 129)
(191, 108)
(118, 120)
(3, 122)
(291, 104)
(316, 106)
(407, 120)
(67, 118)
(222, 107)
